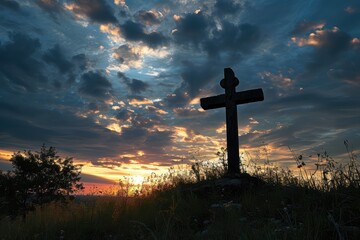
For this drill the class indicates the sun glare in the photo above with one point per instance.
(137, 179)
(5, 155)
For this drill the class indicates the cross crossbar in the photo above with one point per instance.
(254, 95)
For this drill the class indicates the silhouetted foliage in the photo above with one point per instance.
(37, 178)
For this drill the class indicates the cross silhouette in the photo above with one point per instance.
(230, 100)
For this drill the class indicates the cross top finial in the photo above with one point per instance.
(230, 81)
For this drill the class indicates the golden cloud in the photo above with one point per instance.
(137, 102)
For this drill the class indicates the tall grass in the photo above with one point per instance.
(317, 200)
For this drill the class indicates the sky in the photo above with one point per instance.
(116, 83)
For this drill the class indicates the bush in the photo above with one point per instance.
(37, 178)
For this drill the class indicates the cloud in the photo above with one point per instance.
(94, 84)
(233, 39)
(144, 118)
(199, 31)
(191, 29)
(126, 55)
(96, 10)
(12, 5)
(134, 85)
(329, 44)
(19, 69)
(347, 68)
(133, 31)
(159, 139)
(70, 69)
(187, 112)
(194, 76)
(123, 115)
(332, 40)
(279, 80)
(139, 100)
(134, 135)
(81, 61)
(56, 57)
(148, 18)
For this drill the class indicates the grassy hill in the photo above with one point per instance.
(204, 203)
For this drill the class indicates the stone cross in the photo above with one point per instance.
(230, 100)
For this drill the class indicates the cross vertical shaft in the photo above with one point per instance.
(229, 83)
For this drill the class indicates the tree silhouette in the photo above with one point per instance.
(38, 178)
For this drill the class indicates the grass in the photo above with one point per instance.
(322, 203)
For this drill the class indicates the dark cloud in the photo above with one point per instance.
(347, 69)
(200, 31)
(134, 135)
(151, 142)
(194, 76)
(133, 31)
(124, 54)
(81, 61)
(148, 18)
(96, 10)
(12, 5)
(146, 119)
(134, 85)
(56, 57)
(155, 39)
(330, 44)
(69, 68)
(123, 115)
(96, 85)
(233, 39)
(19, 68)
(192, 29)
(178, 98)
(93, 107)
(332, 41)
(159, 139)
